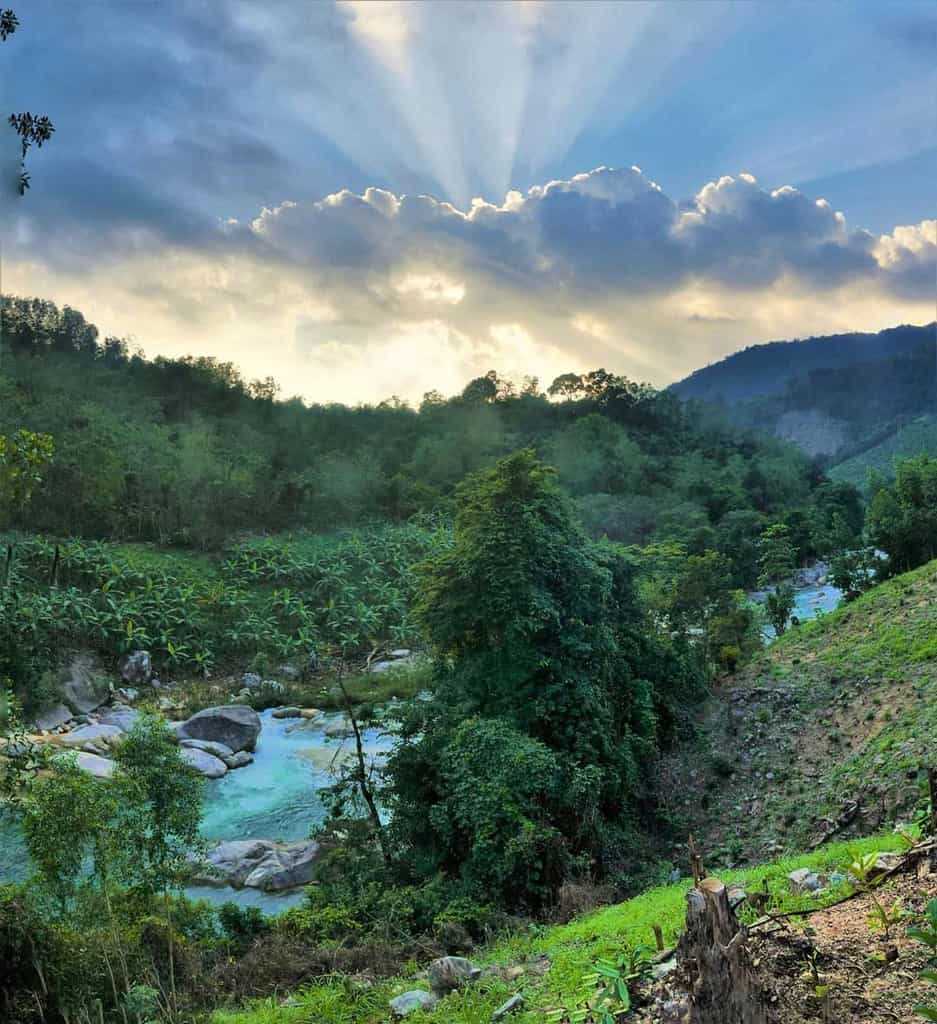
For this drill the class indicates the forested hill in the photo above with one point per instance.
(186, 451)
(767, 369)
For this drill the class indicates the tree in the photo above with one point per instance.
(23, 458)
(777, 560)
(542, 647)
(32, 129)
(902, 517)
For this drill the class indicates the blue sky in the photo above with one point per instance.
(180, 123)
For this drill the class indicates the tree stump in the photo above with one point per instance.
(716, 963)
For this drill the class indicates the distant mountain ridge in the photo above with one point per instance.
(834, 396)
(765, 369)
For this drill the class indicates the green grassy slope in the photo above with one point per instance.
(569, 949)
(914, 438)
(827, 732)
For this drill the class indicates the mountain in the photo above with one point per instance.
(836, 397)
(762, 370)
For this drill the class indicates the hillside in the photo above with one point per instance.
(915, 438)
(825, 734)
(833, 397)
(763, 370)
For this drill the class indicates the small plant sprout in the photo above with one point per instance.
(864, 868)
(926, 933)
(606, 990)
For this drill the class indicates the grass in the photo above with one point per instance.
(571, 948)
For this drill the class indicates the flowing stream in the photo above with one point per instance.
(277, 797)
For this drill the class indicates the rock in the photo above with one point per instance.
(803, 880)
(312, 663)
(401, 652)
(220, 750)
(234, 725)
(136, 667)
(514, 1003)
(259, 864)
(340, 728)
(288, 713)
(239, 760)
(290, 672)
(82, 686)
(390, 666)
(250, 680)
(206, 764)
(409, 1002)
(661, 970)
(127, 694)
(52, 718)
(96, 737)
(449, 973)
(309, 713)
(99, 767)
(122, 717)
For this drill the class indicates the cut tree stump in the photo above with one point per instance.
(717, 967)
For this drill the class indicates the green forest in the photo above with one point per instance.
(575, 558)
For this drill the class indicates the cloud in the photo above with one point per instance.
(602, 268)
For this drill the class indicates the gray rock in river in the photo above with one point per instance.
(234, 725)
(221, 750)
(340, 728)
(239, 760)
(207, 764)
(259, 864)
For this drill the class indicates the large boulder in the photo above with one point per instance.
(136, 667)
(259, 864)
(82, 686)
(207, 764)
(234, 725)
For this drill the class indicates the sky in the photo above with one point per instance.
(366, 199)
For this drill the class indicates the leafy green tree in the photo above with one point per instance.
(902, 517)
(543, 648)
(23, 458)
(777, 561)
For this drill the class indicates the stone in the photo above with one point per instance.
(52, 718)
(239, 760)
(206, 764)
(400, 652)
(449, 973)
(340, 728)
(803, 880)
(97, 737)
(127, 694)
(123, 717)
(410, 1002)
(99, 767)
(287, 713)
(233, 724)
(514, 1003)
(220, 750)
(250, 680)
(136, 667)
(81, 685)
(290, 672)
(309, 713)
(661, 970)
(259, 864)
